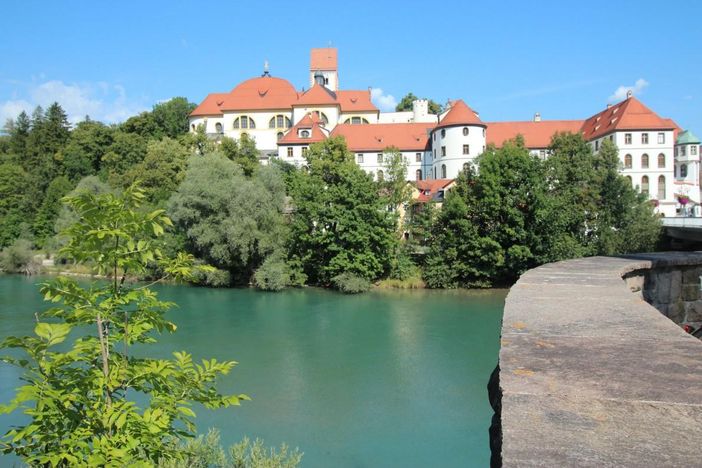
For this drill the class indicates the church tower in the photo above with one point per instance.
(323, 68)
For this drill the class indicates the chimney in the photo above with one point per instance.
(537, 117)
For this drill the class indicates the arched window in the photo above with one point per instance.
(683, 170)
(466, 166)
(644, 185)
(418, 174)
(644, 161)
(244, 122)
(661, 160)
(443, 132)
(661, 188)
(356, 121)
(443, 171)
(279, 135)
(304, 134)
(465, 131)
(322, 116)
(279, 121)
(218, 127)
(381, 176)
(627, 161)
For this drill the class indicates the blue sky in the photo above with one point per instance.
(507, 60)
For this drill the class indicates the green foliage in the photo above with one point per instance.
(82, 154)
(19, 258)
(273, 274)
(394, 185)
(126, 151)
(167, 119)
(405, 104)
(81, 402)
(14, 200)
(348, 283)
(243, 152)
(340, 223)
(162, 169)
(231, 221)
(519, 212)
(50, 209)
(205, 452)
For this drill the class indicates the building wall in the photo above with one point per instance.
(331, 77)
(371, 165)
(453, 139)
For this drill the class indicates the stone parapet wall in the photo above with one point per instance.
(592, 375)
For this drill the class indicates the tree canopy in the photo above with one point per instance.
(405, 104)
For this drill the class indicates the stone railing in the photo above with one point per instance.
(590, 374)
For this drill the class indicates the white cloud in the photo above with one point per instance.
(621, 92)
(385, 102)
(101, 101)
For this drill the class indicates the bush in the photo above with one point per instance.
(348, 283)
(19, 258)
(206, 452)
(214, 278)
(272, 275)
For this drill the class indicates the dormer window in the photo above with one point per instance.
(304, 133)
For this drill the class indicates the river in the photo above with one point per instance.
(384, 378)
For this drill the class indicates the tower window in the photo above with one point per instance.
(683, 170)
(465, 131)
(627, 138)
(418, 174)
(644, 138)
(443, 171)
(443, 151)
(466, 149)
(443, 132)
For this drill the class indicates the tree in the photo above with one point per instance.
(125, 152)
(243, 152)
(19, 133)
(233, 222)
(405, 104)
(340, 224)
(162, 169)
(14, 203)
(171, 116)
(50, 208)
(83, 153)
(83, 403)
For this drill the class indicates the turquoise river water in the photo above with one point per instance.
(381, 379)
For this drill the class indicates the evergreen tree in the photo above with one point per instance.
(49, 209)
(82, 155)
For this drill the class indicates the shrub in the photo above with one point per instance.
(348, 283)
(272, 275)
(19, 258)
(212, 277)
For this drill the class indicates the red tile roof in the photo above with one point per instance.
(210, 105)
(309, 122)
(355, 101)
(536, 134)
(629, 114)
(323, 59)
(316, 95)
(428, 188)
(377, 137)
(265, 92)
(459, 114)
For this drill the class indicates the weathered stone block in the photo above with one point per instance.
(676, 312)
(693, 311)
(676, 283)
(662, 287)
(635, 283)
(690, 293)
(691, 275)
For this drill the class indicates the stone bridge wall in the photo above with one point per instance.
(590, 374)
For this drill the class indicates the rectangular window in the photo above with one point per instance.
(359, 158)
(244, 122)
(380, 158)
(682, 151)
(644, 138)
(443, 151)
(279, 121)
(466, 149)
(661, 138)
(693, 150)
(304, 151)
(542, 154)
(355, 120)
(290, 152)
(418, 157)
(627, 138)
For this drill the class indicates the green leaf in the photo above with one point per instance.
(52, 333)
